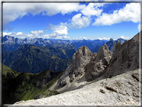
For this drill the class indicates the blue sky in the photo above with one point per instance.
(71, 20)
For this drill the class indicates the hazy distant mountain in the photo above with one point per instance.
(33, 59)
(89, 43)
(96, 49)
(110, 43)
(16, 42)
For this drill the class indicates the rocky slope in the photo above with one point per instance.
(101, 78)
(85, 66)
(121, 90)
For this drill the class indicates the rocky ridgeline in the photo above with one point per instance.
(87, 66)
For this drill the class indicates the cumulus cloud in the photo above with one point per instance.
(62, 37)
(33, 34)
(59, 30)
(36, 34)
(125, 37)
(18, 34)
(92, 9)
(103, 38)
(5, 33)
(131, 12)
(79, 21)
(12, 11)
(81, 38)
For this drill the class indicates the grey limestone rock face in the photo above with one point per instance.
(125, 57)
(97, 67)
(75, 71)
(85, 66)
(94, 69)
(103, 52)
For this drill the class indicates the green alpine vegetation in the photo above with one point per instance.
(33, 59)
(24, 86)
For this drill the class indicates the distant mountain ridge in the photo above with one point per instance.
(33, 59)
(11, 43)
(47, 42)
(109, 43)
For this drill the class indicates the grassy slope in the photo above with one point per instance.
(24, 86)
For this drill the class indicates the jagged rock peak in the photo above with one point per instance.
(84, 51)
(103, 52)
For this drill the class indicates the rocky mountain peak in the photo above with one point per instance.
(83, 51)
(85, 66)
(103, 52)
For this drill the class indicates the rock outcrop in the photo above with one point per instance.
(85, 66)
(96, 67)
(125, 57)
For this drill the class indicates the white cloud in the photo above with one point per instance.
(62, 37)
(79, 22)
(81, 38)
(36, 34)
(12, 11)
(5, 33)
(59, 30)
(131, 12)
(92, 9)
(125, 37)
(19, 33)
(103, 38)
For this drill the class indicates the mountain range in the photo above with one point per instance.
(90, 78)
(33, 59)
(9, 40)
(11, 43)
